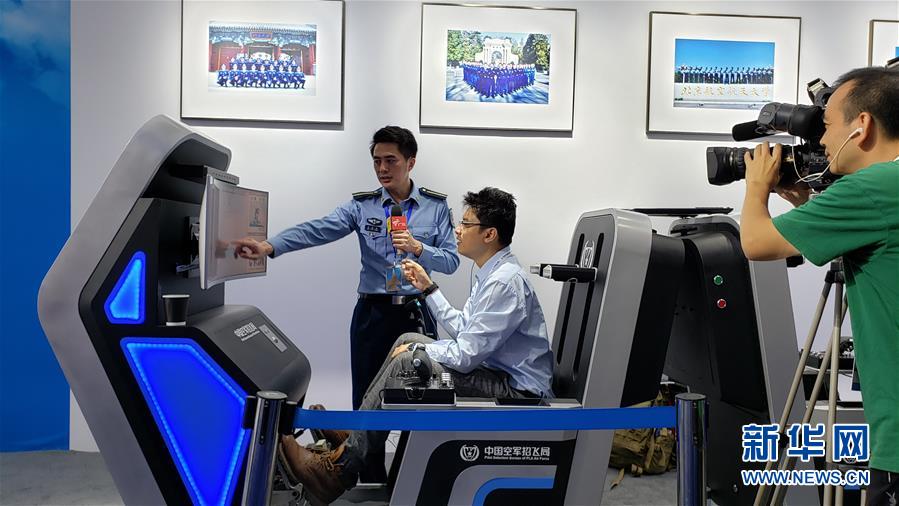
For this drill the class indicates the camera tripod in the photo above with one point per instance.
(834, 279)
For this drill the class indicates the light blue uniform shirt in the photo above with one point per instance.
(501, 327)
(367, 214)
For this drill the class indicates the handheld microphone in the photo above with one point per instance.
(396, 222)
(397, 219)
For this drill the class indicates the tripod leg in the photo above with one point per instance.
(790, 463)
(762, 495)
(832, 394)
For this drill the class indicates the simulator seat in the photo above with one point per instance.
(635, 304)
(607, 314)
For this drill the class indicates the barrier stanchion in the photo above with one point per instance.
(464, 420)
(257, 487)
(690, 416)
(692, 422)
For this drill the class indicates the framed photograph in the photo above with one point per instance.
(505, 68)
(883, 41)
(709, 72)
(262, 61)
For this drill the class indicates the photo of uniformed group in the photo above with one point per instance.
(262, 56)
(504, 67)
(723, 74)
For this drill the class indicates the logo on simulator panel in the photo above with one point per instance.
(247, 331)
(469, 453)
(587, 255)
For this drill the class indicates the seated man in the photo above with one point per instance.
(498, 345)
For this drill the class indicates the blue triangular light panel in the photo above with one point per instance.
(125, 303)
(198, 409)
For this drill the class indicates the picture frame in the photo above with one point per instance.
(883, 41)
(279, 61)
(497, 68)
(708, 72)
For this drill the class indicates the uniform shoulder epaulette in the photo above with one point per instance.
(366, 195)
(432, 193)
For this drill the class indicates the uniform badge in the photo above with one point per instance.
(374, 225)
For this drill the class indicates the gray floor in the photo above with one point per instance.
(70, 478)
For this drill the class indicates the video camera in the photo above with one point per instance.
(726, 165)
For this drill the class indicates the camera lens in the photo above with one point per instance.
(725, 165)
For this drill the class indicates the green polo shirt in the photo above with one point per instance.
(858, 218)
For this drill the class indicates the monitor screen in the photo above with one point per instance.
(228, 213)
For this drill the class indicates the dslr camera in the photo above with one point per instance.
(726, 165)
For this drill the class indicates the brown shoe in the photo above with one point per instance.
(318, 472)
(334, 437)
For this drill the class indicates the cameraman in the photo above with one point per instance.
(857, 218)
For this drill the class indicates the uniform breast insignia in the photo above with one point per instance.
(432, 193)
(373, 226)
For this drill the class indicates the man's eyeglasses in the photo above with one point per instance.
(466, 224)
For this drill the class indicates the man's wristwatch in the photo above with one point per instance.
(415, 346)
(430, 289)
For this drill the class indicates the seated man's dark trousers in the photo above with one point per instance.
(481, 382)
(374, 327)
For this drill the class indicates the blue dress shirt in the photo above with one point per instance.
(367, 214)
(501, 327)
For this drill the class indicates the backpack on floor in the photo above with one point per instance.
(643, 451)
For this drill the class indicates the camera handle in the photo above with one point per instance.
(834, 279)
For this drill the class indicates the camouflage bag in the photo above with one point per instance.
(643, 451)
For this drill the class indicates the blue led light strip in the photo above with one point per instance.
(491, 420)
(506, 483)
(176, 408)
(126, 302)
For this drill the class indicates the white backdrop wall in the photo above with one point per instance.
(126, 69)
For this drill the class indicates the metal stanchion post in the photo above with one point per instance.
(692, 423)
(257, 487)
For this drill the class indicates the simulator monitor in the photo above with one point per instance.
(227, 213)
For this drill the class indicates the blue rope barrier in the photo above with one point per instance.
(491, 420)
